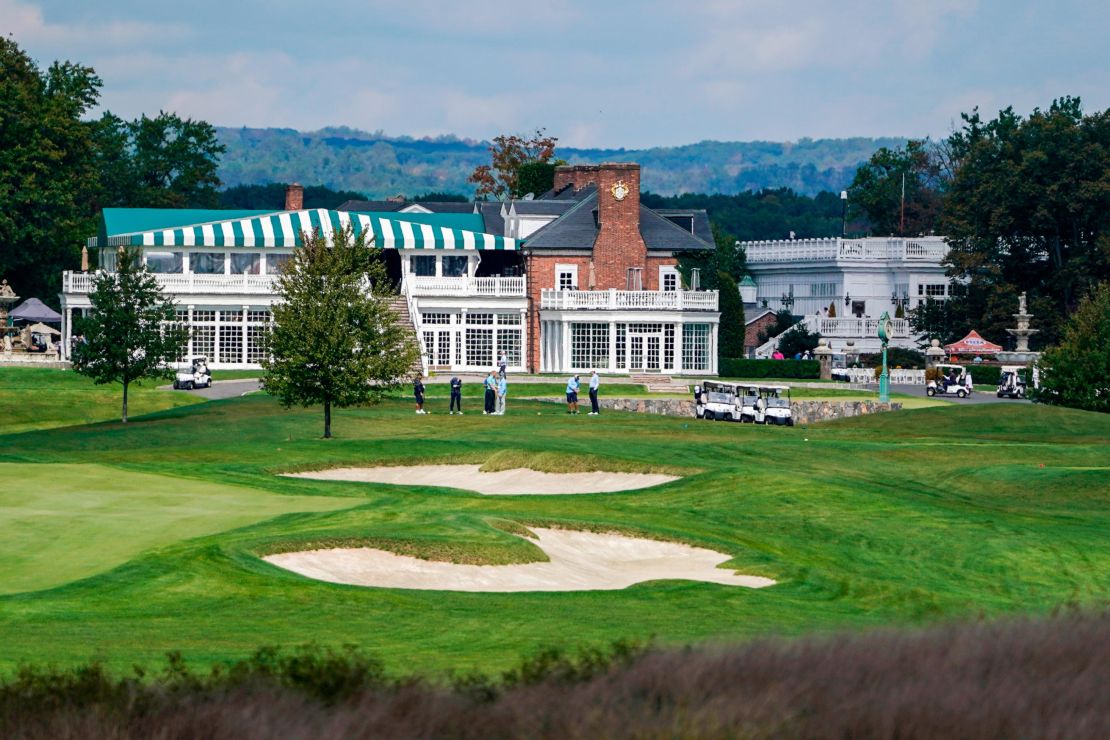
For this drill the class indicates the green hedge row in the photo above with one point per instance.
(739, 367)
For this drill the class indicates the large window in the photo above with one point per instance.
(932, 290)
(231, 336)
(246, 264)
(454, 266)
(695, 346)
(423, 265)
(589, 345)
(622, 346)
(207, 263)
(275, 263)
(165, 263)
(258, 329)
(479, 347)
(204, 334)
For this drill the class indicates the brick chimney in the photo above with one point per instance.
(619, 245)
(578, 176)
(294, 197)
(564, 175)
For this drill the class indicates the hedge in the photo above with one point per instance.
(739, 367)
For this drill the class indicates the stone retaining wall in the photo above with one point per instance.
(804, 412)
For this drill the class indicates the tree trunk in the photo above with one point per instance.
(327, 419)
(125, 402)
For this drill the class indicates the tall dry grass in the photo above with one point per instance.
(1028, 679)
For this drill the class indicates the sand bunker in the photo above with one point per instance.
(502, 482)
(579, 561)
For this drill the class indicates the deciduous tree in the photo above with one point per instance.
(877, 190)
(335, 340)
(130, 334)
(1029, 210)
(508, 153)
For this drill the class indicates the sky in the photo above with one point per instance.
(595, 74)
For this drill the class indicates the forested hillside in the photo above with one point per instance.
(381, 166)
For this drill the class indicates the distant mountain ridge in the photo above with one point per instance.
(381, 166)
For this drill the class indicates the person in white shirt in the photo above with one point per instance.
(595, 383)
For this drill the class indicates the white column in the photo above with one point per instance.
(243, 352)
(462, 337)
(524, 358)
(67, 330)
(189, 351)
(678, 348)
(713, 348)
(612, 346)
(566, 346)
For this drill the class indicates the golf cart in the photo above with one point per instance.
(954, 380)
(1011, 383)
(718, 401)
(776, 408)
(193, 375)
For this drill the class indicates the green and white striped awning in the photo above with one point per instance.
(285, 229)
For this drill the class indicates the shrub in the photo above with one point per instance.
(738, 367)
(1076, 372)
(895, 357)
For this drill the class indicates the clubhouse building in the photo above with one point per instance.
(581, 277)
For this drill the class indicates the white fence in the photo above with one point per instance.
(853, 327)
(82, 282)
(867, 375)
(420, 285)
(925, 249)
(651, 300)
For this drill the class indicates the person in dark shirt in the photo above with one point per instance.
(456, 395)
(418, 393)
(491, 392)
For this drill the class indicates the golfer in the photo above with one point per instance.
(595, 383)
(502, 364)
(418, 393)
(502, 391)
(491, 392)
(572, 395)
(456, 395)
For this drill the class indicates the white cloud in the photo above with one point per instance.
(28, 24)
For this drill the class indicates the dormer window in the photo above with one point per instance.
(683, 221)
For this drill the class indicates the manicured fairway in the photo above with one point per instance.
(63, 522)
(890, 519)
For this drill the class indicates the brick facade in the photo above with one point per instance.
(752, 330)
(294, 197)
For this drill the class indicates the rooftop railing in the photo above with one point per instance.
(421, 285)
(924, 249)
(650, 300)
(188, 283)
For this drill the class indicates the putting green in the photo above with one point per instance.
(59, 523)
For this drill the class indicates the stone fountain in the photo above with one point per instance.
(1021, 355)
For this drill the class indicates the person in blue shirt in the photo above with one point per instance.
(595, 383)
(456, 395)
(418, 393)
(502, 391)
(572, 395)
(491, 392)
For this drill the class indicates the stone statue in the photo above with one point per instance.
(6, 290)
(1021, 303)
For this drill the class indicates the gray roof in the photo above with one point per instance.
(391, 206)
(492, 218)
(700, 219)
(542, 207)
(578, 227)
(753, 312)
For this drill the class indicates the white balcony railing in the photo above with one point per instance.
(650, 300)
(853, 327)
(419, 285)
(187, 283)
(921, 249)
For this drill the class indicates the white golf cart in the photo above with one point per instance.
(193, 375)
(776, 407)
(954, 380)
(717, 401)
(1011, 382)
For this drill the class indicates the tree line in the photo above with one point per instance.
(59, 168)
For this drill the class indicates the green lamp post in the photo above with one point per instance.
(886, 330)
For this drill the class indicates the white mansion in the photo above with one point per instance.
(861, 278)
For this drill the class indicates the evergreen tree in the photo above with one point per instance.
(130, 334)
(731, 340)
(1076, 372)
(335, 340)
